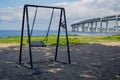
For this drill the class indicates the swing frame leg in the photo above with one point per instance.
(29, 38)
(22, 32)
(21, 41)
(58, 36)
(67, 41)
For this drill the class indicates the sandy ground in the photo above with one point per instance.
(89, 62)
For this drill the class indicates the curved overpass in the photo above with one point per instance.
(96, 24)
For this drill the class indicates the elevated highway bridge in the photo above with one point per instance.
(96, 24)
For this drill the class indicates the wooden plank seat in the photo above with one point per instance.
(38, 44)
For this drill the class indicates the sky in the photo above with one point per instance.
(76, 10)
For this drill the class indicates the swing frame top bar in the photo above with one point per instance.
(29, 5)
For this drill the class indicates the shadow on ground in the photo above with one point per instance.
(89, 62)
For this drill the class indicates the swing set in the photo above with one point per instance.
(43, 43)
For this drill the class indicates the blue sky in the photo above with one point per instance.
(76, 10)
(9, 9)
(17, 3)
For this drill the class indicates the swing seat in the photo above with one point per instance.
(38, 44)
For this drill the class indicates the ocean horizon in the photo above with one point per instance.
(7, 33)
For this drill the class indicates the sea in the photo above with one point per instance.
(7, 33)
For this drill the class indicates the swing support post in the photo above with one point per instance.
(22, 32)
(26, 18)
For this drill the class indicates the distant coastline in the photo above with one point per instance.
(7, 33)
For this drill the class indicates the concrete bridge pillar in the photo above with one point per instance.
(96, 27)
(92, 27)
(100, 24)
(79, 28)
(73, 29)
(88, 27)
(116, 23)
(107, 26)
(83, 27)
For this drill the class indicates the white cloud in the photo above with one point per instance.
(85, 9)
(75, 11)
(10, 14)
(62, 4)
(15, 15)
(80, 9)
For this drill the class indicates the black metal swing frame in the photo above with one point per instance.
(25, 16)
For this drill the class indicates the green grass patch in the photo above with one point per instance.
(52, 39)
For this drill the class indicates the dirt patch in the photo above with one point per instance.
(89, 62)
